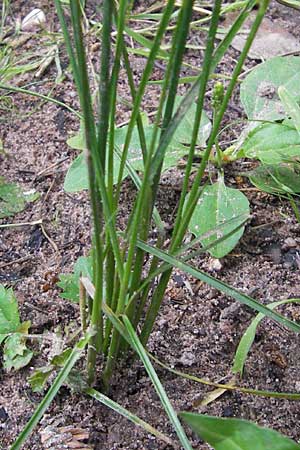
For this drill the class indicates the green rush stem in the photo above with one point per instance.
(104, 82)
(69, 46)
(133, 232)
(141, 90)
(96, 341)
(191, 94)
(90, 124)
(159, 292)
(113, 306)
(200, 103)
(195, 191)
(170, 86)
(178, 46)
(120, 20)
(110, 260)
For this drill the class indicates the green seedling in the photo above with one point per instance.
(13, 332)
(13, 199)
(69, 283)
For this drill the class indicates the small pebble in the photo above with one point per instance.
(290, 243)
(215, 265)
(34, 20)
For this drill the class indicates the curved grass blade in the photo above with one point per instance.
(228, 387)
(124, 412)
(136, 344)
(122, 330)
(220, 285)
(45, 403)
(41, 96)
(249, 336)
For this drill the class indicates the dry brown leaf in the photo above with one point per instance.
(67, 438)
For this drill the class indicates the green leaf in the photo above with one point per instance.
(272, 143)
(249, 336)
(46, 401)
(69, 283)
(77, 175)
(60, 360)
(259, 89)
(217, 205)
(184, 132)
(279, 179)
(236, 434)
(291, 3)
(13, 199)
(15, 353)
(291, 106)
(39, 378)
(9, 314)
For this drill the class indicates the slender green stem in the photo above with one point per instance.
(132, 236)
(200, 103)
(90, 133)
(195, 191)
(104, 83)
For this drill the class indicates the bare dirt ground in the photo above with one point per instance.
(198, 328)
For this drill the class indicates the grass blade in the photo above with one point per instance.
(136, 344)
(249, 336)
(229, 387)
(124, 412)
(220, 285)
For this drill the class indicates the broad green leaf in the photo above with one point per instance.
(77, 175)
(236, 434)
(9, 314)
(249, 336)
(69, 283)
(13, 199)
(291, 106)
(272, 143)
(15, 353)
(217, 205)
(259, 89)
(184, 132)
(279, 179)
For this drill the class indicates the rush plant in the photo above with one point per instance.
(119, 305)
(118, 257)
